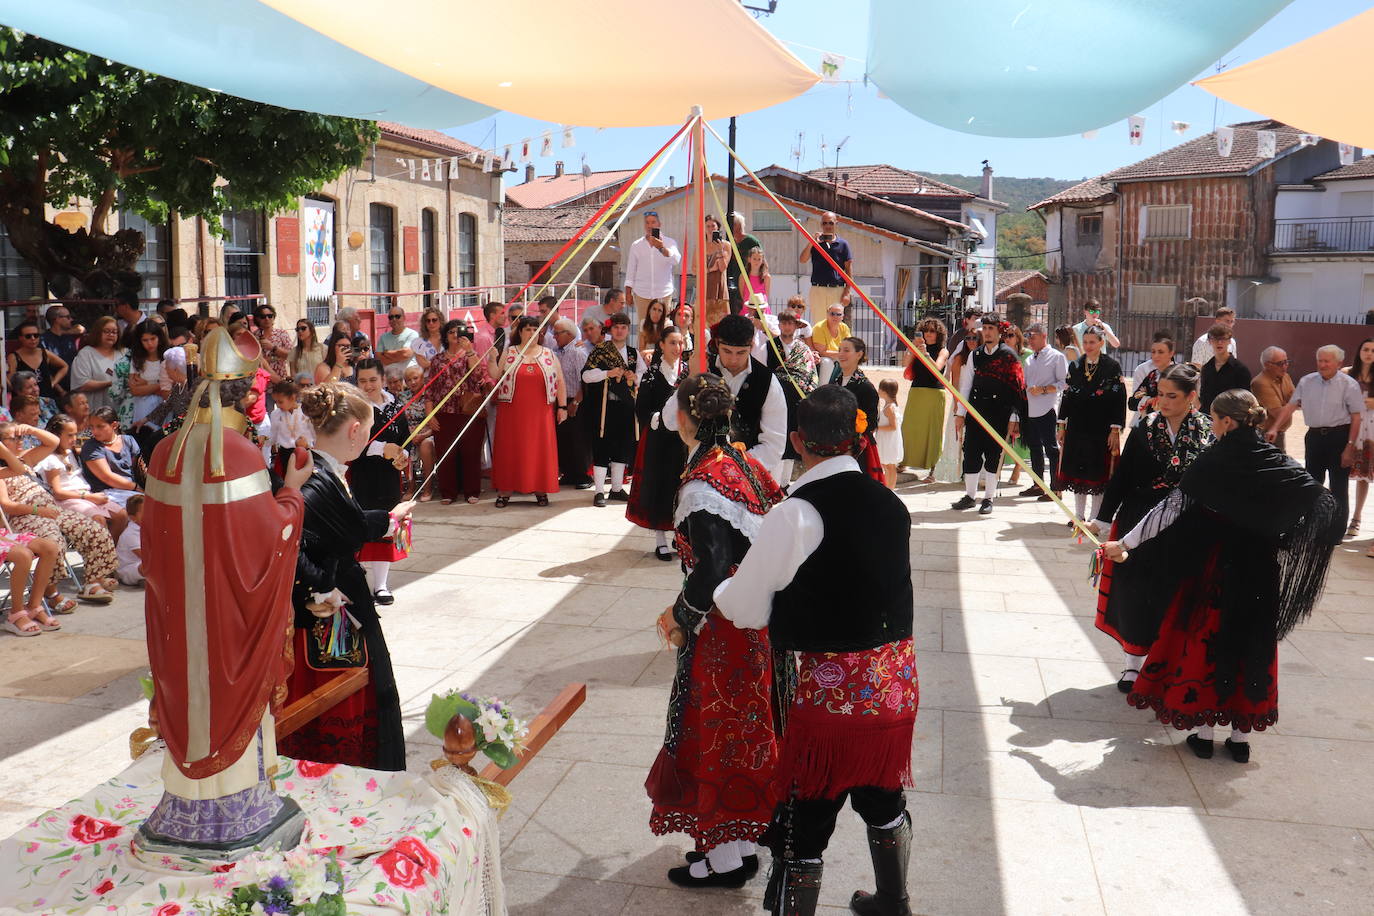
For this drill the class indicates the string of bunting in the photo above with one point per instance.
(433, 169)
(1266, 141)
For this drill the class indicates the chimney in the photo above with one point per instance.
(529, 173)
(986, 192)
(558, 169)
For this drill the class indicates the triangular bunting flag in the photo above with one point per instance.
(1225, 138)
(1266, 144)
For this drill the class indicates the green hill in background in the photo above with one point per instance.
(1020, 235)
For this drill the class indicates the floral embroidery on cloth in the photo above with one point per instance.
(1175, 457)
(406, 843)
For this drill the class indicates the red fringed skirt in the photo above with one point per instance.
(852, 722)
(345, 733)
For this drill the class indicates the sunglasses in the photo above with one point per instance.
(836, 314)
(267, 314)
(396, 315)
(29, 336)
(1280, 362)
(302, 327)
(827, 222)
(432, 319)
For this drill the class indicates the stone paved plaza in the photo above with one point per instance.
(1039, 790)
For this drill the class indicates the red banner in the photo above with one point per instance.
(288, 245)
(410, 249)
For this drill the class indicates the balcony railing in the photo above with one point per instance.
(1338, 233)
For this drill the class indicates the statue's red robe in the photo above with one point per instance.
(219, 559)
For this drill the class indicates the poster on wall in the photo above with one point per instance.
(319, 249)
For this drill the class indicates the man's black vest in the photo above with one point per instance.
(854, 592)
(746, 420)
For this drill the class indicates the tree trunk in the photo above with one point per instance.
(74, 265)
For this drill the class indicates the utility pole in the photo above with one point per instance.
(758, 11)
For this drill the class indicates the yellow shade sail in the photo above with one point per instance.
(609, 63)
(1313, 85)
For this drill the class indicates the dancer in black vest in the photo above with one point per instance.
(994, 383)
(608, 392)
(759, 420)
(841, 540)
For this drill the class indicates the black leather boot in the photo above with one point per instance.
(793, 888)
(891, 852)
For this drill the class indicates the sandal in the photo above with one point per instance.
(471, 500)
(95, 593)
(502, 502)
(16, 624)
(46, 620)
(1354, 528)
(61, 605)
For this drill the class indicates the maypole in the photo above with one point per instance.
(699, 190)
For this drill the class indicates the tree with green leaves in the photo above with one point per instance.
(78, 127)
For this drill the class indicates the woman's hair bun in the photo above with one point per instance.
(705, 397)
(318, 403)
(1258, 415)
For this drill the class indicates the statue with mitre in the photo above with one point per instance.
(219, 551)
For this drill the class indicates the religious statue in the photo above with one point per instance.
(219, 553)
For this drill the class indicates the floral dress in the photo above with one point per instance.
(87, 536)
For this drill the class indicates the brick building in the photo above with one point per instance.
(1185, 223)
(1031, 282)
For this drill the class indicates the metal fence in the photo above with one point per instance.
(1335, 233)
(1135, 332)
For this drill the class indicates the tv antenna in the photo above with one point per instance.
(799, 150)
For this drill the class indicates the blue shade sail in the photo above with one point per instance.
(245, 49)
(1047, 68)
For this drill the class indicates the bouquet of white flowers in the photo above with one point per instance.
(299, 883)
(500, 735)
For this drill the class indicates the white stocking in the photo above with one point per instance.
(1096, 506)
(599, 478)
(971, 484)
(746, 848)
(723, 858)
(1080, 505)
(1133, 663)
(617, 476)
(989, 484)
(1238, 736)
(660, 538)
(378, 571)
(1204, 732)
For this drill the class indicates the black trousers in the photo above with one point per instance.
(617, 444)
(573, 455)
(813, 820)
(1038, 433)
(1324, 446)
(981, 451)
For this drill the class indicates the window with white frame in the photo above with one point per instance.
(1166, 222)
(1152, 298)
(770, 220)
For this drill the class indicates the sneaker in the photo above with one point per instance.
(599, 500)
(620, 496)
(965, 502)
(985, 508)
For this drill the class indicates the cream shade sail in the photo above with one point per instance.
(1313, 85)
(609, 63)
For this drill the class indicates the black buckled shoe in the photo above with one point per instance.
(1240, 750)
(666, 555)
(620, 496)
(751, 863)
(383, 596)
(965, 502)
(599, 500)
(985, 508)
(1202, 747)
(1126, 685)
(682, 876)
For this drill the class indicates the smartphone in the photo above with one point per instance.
(825, 237)
(716, 236)
(656, 232)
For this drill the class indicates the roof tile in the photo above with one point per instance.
(547, 224)
(548, 191)
(430, 137)
(1360, 168)
(888, 179)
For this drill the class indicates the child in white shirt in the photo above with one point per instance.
(290, 427)
(129, 550)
